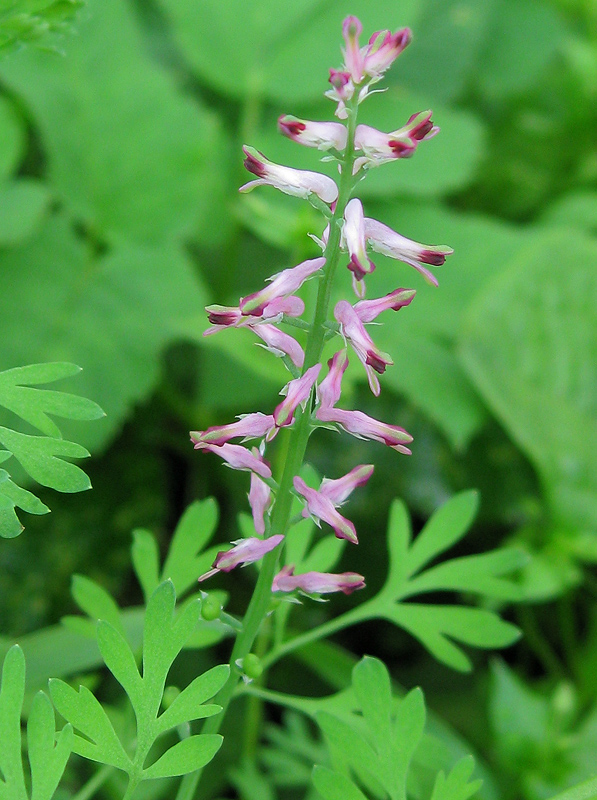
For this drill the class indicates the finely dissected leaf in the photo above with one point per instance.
(114, 323)
(146, 561)
(371, 684)
(408, 728)
(333, 785)
(456, 785)
(34, 405)
(12, 496)
(529, 344)
(186, 756)
(120, 660)
(42, 458)
(188, 704)
(94, 600)
(47, 757)
(131, 154)
(12, 691)
(47, 754)
(85, 714)
(196, 527)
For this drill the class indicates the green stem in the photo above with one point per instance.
(259, 604)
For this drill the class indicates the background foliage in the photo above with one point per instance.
(120, 219)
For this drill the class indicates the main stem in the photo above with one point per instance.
(260, 600)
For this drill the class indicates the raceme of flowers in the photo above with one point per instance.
(313, 390)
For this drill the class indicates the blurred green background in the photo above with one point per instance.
(120, 159)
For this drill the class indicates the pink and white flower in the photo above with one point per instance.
(321, 508)
(281, 285)
(386, 241)
(296, 392)
(317, 582)
(322, 135)
(379, 148)
(280, 343)
(249, 426)
(295, 182)
(353, 233)
(368, 310)
(238, 457)
(330, 388)
(353, 330)
(245, 551)
(383, 49)
(339, 489)
(222, 317)
(260, 500)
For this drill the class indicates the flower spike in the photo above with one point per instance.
(295, 182)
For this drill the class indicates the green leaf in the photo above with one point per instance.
(529, 344)
(456, 785)
(195, 528)
(12, 691)
(114, 324)
(120, 660)
(12, 496)
(47, 757)
(35, 22)
(34, 405)
(95, 601)
(23, 204)
(146, 561)
(42, 458)
(587, 790)
(188, 704)
(371, 684)
(186, 756)
(230, 57)
(86, 714)
(132, 155)
(333, 785)
(12, 137)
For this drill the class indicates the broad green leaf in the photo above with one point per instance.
(185, 562)
(248, 60)
(95, 601)
(42, 458)
(185, 756)
(587, 790)
(120, 660)
(146, 561)
(573, 210)
(114, 324)
(133, 156)
(456, 785)
(34, 405)
(188, 704)
(35, 22)
(333, 785)
(12, 691)
(12, 496)
(47, 757)
(86, 715)
(23, 203)
(12, 137)
(530, 346)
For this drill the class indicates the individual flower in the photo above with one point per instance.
(296, 393)
(379, 148)
(323, 135)
(383, 49)
(280, 343)
(249, 426)
(341, 92)
(222, 317)
(356, 423)
(354, 57)
(260, 499)
(353, 233)
(368, 310)
(320, 508)
(295, 182)
(281, 285)
(339, 489)
(245, 551)
(353, 330)
(386, 241)
(239, 457)
(317, 582)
